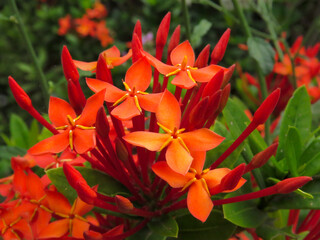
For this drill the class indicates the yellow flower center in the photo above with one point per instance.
(183, 67)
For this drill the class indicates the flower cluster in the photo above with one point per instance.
(90, 24)
(152, 143)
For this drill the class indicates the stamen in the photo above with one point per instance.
(192, 68)
(5, 227)
(46, 209)
(190, 76)
(77, 118)
(173, 72)
(80, 218)
(126, 86)
(15, 222)
(205, 171)
(62, 215)
(166, 143)
(73, 206)
(188, 184)
(71, 139)
(180, 130)
(62, 127)
(193, 170)
(136, 101)
(16, 234)
(184, 62)
(183, 144)
(143, 93)
(204, 184)
(167, 130)
(70, 226)
(85, 128)
(71, 121)
(121, 99)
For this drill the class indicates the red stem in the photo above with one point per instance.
(34, 113)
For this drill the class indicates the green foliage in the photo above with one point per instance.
(165, 226)
(199, 31)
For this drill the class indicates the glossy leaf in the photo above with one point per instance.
(164, 226)
(106, 184)
(19, 132)
(146, 234)
(199, 31)
(269, 232)
(292, 150)
(296, 114)
(216, 227)
(262, 52)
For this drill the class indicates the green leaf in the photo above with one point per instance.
(146, 234)
(33, 133)
(7, 152)
(310, 159)
(269, 232)
(216, 227)
(292, 150)
(295, 201)
(312, 167)
(107, 185)
(164, 226)
(19, 131)
(262, 52)
(199, 31)
(297, 114)
(244, 214)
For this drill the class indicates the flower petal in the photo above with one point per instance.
(81, 208)
(169, 113)
(89, 113)
(178, 158)
(84, 140)
(54, 144)
(55, 229)
(213, 177)
(126, 110)
(112, 93)
(79, 227)
(85, 66)
(58, 203)
(160, 66)
(205, 74)
(120, 60)
(183, 80)
(173, 178)
(201, 139)
(150, 102)
(149, 140)
(199, 202)
(139, 75)
(183, 49)
(58, 111)
(199, 159)
(112, 52)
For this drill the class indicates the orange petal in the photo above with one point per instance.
(89, 113)
(183, 49)
(58, 111)
(213, 177)
(81, 208)
(150, 102)
(169, 113)
(112, 52)
(42, 220)
(112, 93)
(139, 75)
(83, 140)
(85, 66)
(149, 140)
(199, 202)
(58, 203)
(205, 74)
(78, 227)
(183, 80)
(120, 60)
(201, 139)
(199, 159)
(55, 229)
(126, 110)
(281, 69)
(34, 186)
(173, 178)
(54, 144)
(178, 158)
(23, 227)
(160, 66)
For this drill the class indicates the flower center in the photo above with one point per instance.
(183, 67)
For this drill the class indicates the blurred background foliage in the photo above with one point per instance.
(208, 20)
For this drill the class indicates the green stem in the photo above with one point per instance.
(186, 19)
(243, 20)
(43, 81)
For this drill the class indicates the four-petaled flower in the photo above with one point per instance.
(76, 132)
(179, 143)
(134, 99)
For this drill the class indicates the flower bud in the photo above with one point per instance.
(20, 95)
(202, 60)
(291, 184)
(102, 71)
(219, 50)
(230, 181)
(124, 204)
(136, 48)
(174, 40)
(214, 84)
(197, 114)
(163, 30)
(213, 105)
(224, 97)
(121, 150)
(69, 68)
(266, 108)
(102, 123)
(73, 176)
(74, 98)
(227, 75)
(85, 192)
(137, 30)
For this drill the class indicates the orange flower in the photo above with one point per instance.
(85, 26)
(199, 182)
(183, 59)
(64, 25)
(112, 57)
(134, 99)
(179, 144)
(103, 34)
(98, 11)
(77, 132)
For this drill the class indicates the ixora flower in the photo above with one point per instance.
(76, 132)
(179, 143)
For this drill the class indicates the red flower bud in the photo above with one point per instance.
(163, 30)
(137, 30)
(214, 84)
(213, 105)
(203, 58)
(291, 184)
(230, 181)
(85, 192)
(196, 117)
(266, 108)
(123, 204)
(74, 98)
(73, 176)
(121, 151)
(20, 95)
(69, 68)
(92, 235)
(102, 123)
(224, 97)
(219, 50)
(103, 72)
(174, 41)
(261, 158)
(228, 75)
(136, 48)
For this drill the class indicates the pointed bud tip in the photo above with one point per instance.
(291, 184)
(19, 94)
(123, 203)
